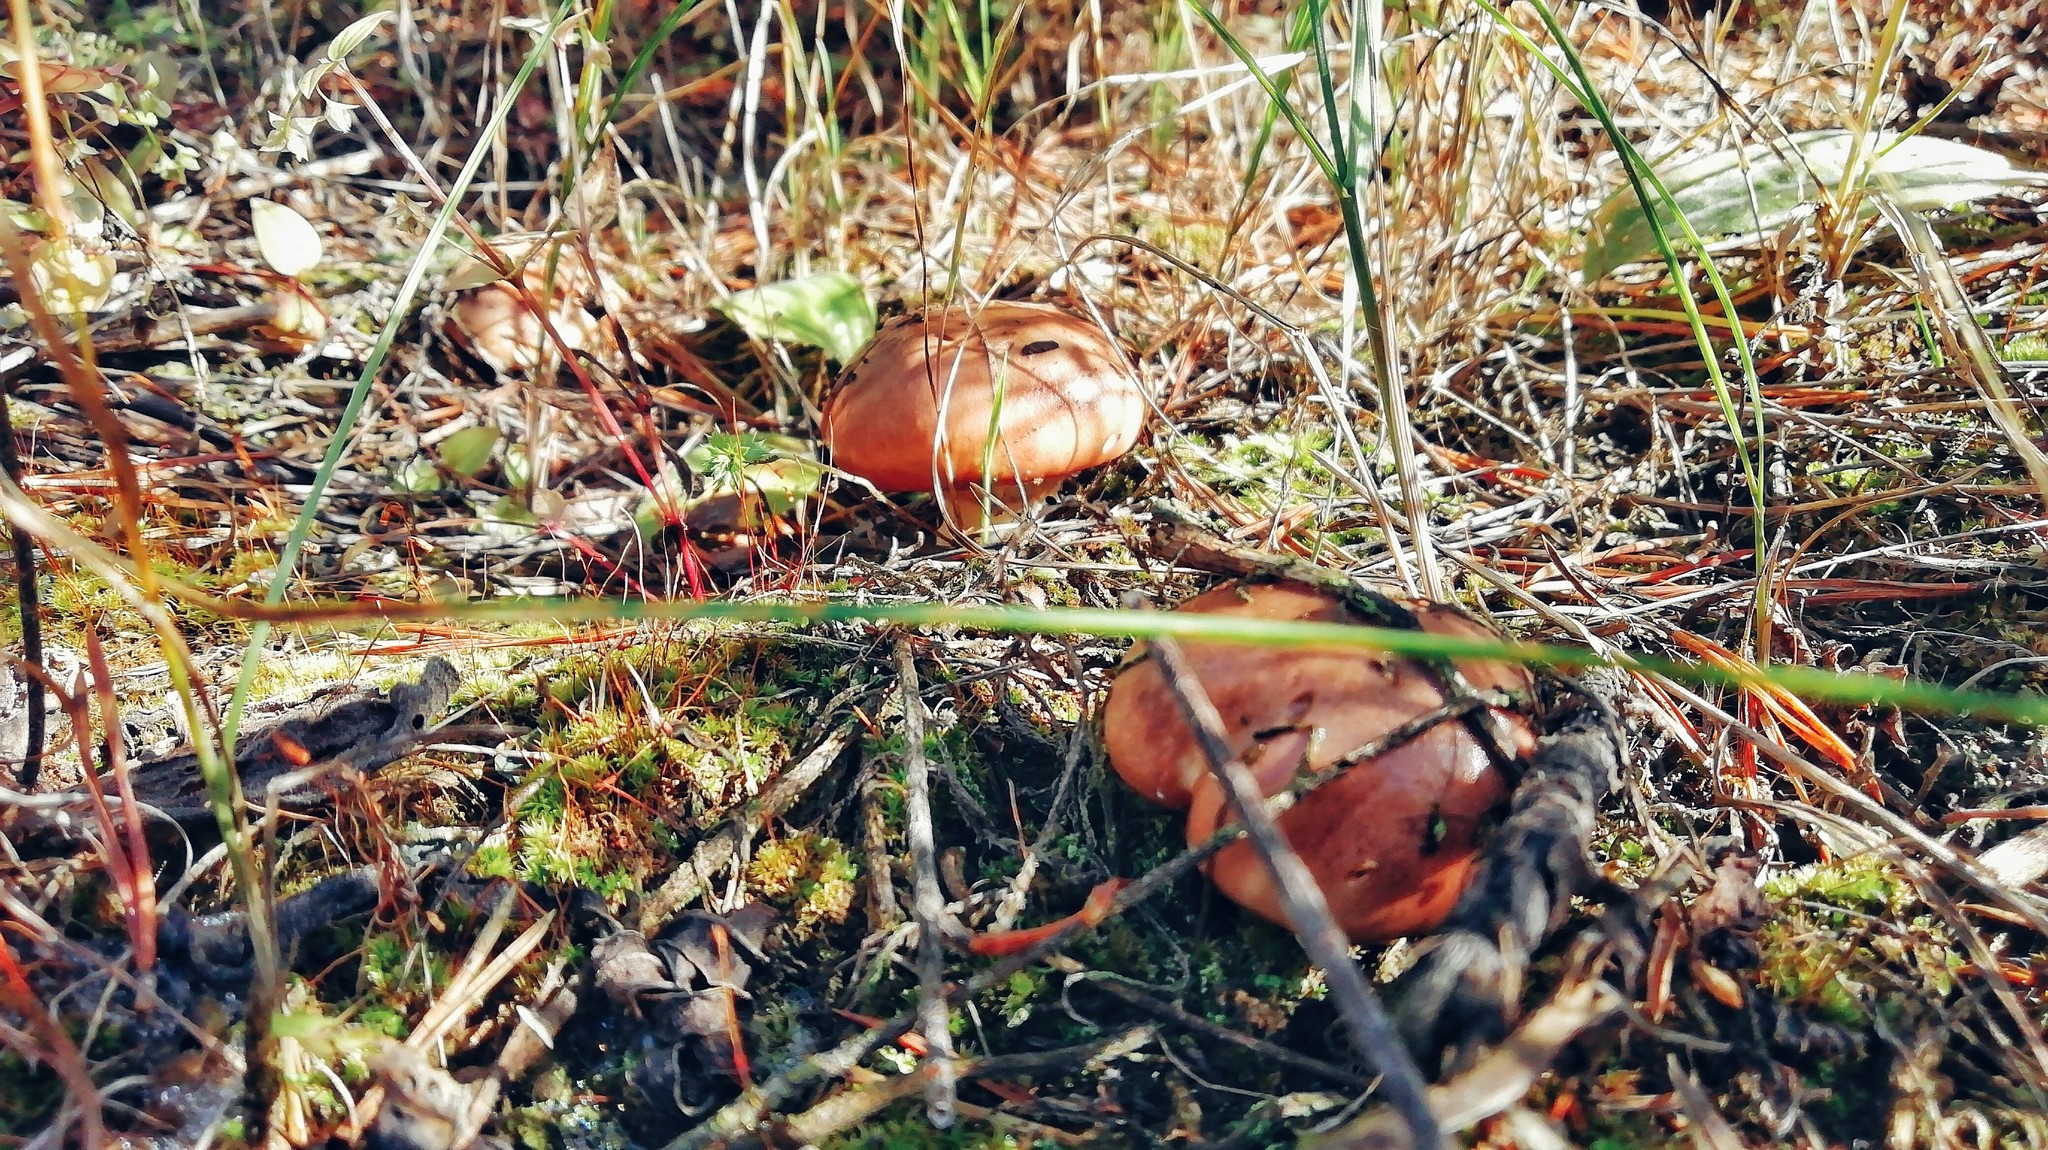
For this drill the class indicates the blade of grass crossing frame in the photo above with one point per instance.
(1298, 33)
(1337, 158)
(1809, 682)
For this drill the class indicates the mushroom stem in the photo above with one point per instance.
(980, 514)
(1308, 913)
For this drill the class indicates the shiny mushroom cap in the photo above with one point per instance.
(915, 410)
(1393, 839)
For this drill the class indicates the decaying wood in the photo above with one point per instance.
(216, 946)
(1462, 993)
(281, 760)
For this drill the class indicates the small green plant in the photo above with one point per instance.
(1837, 921)
(903, 1127)
(810, 875)
(2026, 349)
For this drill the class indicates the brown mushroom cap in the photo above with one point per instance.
(1391, 841)
(913, 411)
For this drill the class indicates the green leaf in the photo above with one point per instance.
(354, 36)
(829, 310)
(1754, 192)
(416, 476)
(651, 517)
(516, 248)
(468, 451)
(780, 471)
(71, 279)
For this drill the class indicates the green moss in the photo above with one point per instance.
(29, 1096)
(638, 749)
(491, 860)
(903, 1127)
(1837, 923)
(1197, 241)
(2032, 348)
(384, 1020)
(810, 877)
(1021, 994)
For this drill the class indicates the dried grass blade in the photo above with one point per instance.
(1783, 705)
(1967, 340)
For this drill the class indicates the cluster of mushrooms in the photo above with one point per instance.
(988, 409)
(1393, 837)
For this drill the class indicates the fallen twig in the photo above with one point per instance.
(746, 1112)
(1497, 1081)
(1372, 1031)
(928, 903)
(842, 1111)
(1113, 985)
(1460, 994)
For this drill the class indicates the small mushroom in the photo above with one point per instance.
(995, 404)
(1393, 839)
(495, 324)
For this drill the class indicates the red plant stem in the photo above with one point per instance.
(139, 907)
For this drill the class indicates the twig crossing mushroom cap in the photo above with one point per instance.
(915, 410)
(1392, 840)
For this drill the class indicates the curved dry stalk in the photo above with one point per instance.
(1968, 344)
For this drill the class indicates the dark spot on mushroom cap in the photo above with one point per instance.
(914, 411)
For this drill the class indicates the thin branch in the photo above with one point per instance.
(746, 1112)
(690, 880)
(31, 616)
(1116, 987)
(927, 901)
(1372, 1031)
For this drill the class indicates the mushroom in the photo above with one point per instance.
(998, 403)
(1393, 839)
(495, 324)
